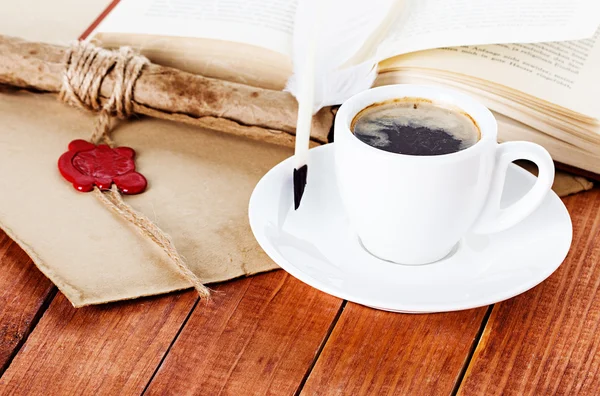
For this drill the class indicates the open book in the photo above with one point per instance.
(541, 85)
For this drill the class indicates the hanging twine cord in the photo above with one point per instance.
(114, 201)
(86, 67)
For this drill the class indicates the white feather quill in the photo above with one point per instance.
(334, 58)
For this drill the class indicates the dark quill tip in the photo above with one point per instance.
(299, 184)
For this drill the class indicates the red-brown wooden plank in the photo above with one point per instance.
(261, 339)
(547, 341)
(23, 293)
(111, 349)
(372, 352)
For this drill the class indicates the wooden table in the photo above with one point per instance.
(271, 334)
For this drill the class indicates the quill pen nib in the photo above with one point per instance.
(300, 175)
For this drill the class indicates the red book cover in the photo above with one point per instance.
(97, 21)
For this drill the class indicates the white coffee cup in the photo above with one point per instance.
(415, 209)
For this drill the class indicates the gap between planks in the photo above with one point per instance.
(185, 321)
(320, 350)
(476, 341)
(36, 318)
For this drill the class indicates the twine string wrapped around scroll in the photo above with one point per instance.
(85, 67)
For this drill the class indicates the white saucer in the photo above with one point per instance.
(316, 245)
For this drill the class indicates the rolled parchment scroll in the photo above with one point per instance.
(171, 94)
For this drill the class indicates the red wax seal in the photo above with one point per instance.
(87, 165)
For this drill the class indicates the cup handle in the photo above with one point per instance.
(493, 218)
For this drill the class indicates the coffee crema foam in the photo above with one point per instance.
(415, 126)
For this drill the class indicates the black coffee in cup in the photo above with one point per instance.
(415, 126)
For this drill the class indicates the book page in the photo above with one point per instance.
(576, 132)
(563, 147)
(48, 21)
(263, 23)
(564, 74)
(426, 24)
(511, 130)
